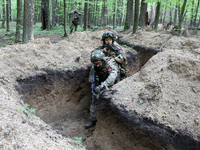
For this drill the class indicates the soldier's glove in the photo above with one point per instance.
(98, 89)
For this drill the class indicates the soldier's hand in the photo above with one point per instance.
(108, 47)
(98, 89)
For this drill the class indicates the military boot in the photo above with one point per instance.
(90, 124)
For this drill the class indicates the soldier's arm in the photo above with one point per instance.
(91, 74)
(113, 72)
(119, 50)
(70, 13)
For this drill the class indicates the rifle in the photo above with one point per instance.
(110, 47)
(93, 85)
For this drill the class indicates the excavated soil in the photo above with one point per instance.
(156, 107)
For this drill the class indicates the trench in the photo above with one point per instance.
(62, 100)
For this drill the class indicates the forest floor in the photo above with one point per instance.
(56, 35)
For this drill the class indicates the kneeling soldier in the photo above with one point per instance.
(106, 75)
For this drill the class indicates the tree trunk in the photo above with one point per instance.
(36, 12)
(90, 19)
(4, 14)
(136, 16)
(165, 14)
(192, 14)
(85, 15)
(180, 19)
(195, 17)
(53, 14)
(114, 14)
(129, 14)
(19, 21)
(7, 15)
(10, 10)
(104, 14)
(170, 20)
(157, 16)
(65, 20)
(152, 14)
(45, 15)
(143, 17)
(175, 15)
(28, 21)
(123, 13)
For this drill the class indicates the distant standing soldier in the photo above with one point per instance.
(113, 51)
(75, 17)
(106, 74)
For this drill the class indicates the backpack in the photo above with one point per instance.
(121, 61)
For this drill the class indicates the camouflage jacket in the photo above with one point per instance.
(73, 15)
(108, 75)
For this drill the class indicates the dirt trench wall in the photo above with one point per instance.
(113, 133)
(55, 94)
(143, 133)
(62, 99)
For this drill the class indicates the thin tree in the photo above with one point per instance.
(53, 14)
(45, 15)
(65, 20)
(180, 19)
(129, 14)
(4, 14)
(104, 14)
(175, 15)
(136, 16)
(195, 17)
(192, 14)
(7, 15)
(28, 21)
(19, 21)
(157, 15)
(85, 27)
(114, 14)
(143, 12)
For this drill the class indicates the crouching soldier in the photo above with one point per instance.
(105, 74)
(113, 51)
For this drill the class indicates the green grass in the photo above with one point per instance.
(59, 30)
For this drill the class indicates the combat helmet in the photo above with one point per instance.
(97, 55)
(108, 34)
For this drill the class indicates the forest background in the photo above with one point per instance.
(22, 20)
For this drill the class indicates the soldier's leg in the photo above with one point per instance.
(76, 27)
(92, 117)
(71, 28)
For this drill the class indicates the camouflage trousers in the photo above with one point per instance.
(72, 27)
(92, 114)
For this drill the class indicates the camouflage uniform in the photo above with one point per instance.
(74, 17)
(117, 54)
(117, 48)
(106, 76)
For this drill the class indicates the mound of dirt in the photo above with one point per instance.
(165, 91)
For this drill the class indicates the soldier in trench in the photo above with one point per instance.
(75, 16)
(107, 73)
(113, 51)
